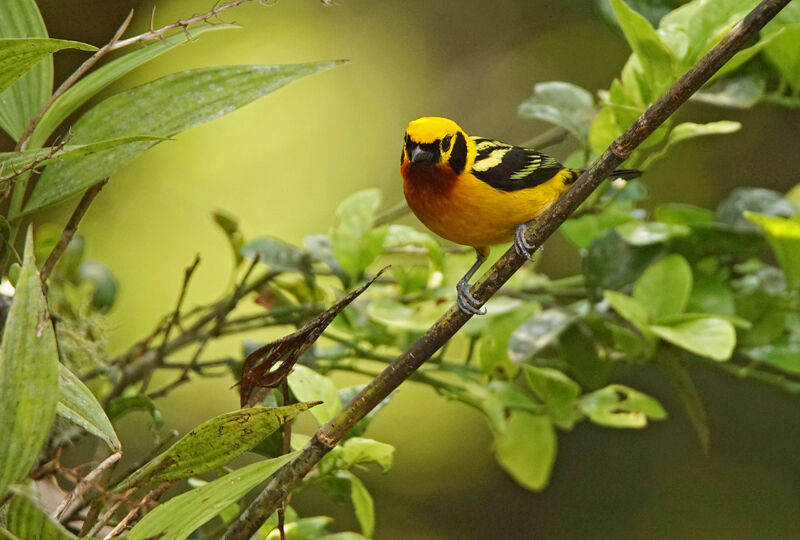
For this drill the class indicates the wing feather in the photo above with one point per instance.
(510, 168)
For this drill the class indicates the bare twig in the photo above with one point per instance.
(51, 151)
(287, 447)
(138, 510)
(183, 23)
(86, 483)
(71, 228)
(329, 435)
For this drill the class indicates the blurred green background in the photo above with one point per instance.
(282, 165)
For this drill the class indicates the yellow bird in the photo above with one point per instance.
(479, 192)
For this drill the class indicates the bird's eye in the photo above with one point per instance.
(446, 143)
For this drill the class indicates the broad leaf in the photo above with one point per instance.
(784, 237)
(664, 288)
(527, 449)
(18, 55)
(79, 406)
(557, 391)
(629, 309)
(20, 103)
(541, 331)
(562, 104)
(88, 87)
(784, 54)
(710, 337)
(362, 503)
(308, 385)
(162, 108)
(177, 518)
(620, 406)
(213, 444)
(651, 232)
(278, 255)
(353, 240)
(28, 375)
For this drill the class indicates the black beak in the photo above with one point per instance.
(417, 154)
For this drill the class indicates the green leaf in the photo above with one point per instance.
(562, 104)
(178, 517)
(353, 240)
(655, 57)
(783, 354)
(125, 404)
(493, 346)
(538, 332)
(629, 309)
(612, 263)
(664, 288)
(319, 246)
(25, 520)
(356, 450)
(213, 444)
(527, 449)
(105, 284)
(79, 406)
(579, 351)
(619, 406)
(762, 201)
(583, 230)
(20, 103)
(162, 108)
(784, 54)
(11, 161)
(18, 55)
(683, 214)
(28, 375)
(690, 130)
(637, 233)
(347, 394)
(503, 398)
(740, 92)
(308, 385)
(557, 391)
(710, 337)
(278, 255)
(90, 85)
(230, 228)
(683, 384)
(402, 235)
(784, 237)
(362, 503)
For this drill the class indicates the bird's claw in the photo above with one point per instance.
(521, 245)
(466, 302)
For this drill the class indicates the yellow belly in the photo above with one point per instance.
(473, 213)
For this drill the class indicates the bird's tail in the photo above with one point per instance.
(626, 174)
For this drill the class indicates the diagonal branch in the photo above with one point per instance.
(329, 435)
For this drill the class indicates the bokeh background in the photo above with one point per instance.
(282, 165)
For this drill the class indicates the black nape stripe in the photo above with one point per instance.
(458, 157)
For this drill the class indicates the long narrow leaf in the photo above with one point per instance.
(163, 107)
(25, 520)
(28, 375)
(178, 517)
(11, 161)
(214, 443)
(18, 55)
(79, 406)
(21, 102)
(89, 86)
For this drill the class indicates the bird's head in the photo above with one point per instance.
(432, 141)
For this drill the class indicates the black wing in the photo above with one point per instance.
(510, 168)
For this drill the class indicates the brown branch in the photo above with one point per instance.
(51, 151)
(329, 435)
(139, 510)
(85, 484)
(71, 228)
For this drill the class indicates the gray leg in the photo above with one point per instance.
(522, 246)
(466, 302)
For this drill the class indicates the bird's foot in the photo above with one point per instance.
(466, 302)
(521, 245)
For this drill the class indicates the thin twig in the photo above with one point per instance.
(85, 484)
(72, 79)
(51, 151)
(138, 510)
(329, 435)
(183, 23)
(71, 228)
(109, 512)
(286, 448)
(173, 319)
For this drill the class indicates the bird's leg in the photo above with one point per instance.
(466, 302)
(522, 246)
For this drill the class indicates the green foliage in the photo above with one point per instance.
(669, 288)
(28, 375)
